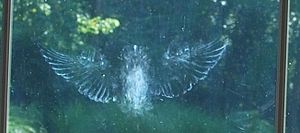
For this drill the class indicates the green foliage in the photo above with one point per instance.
(58, 24)
(96, 25)
(249, 122)
(25, 120)
(82, 116)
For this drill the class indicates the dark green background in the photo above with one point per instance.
(242, 84)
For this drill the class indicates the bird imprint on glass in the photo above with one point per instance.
(177, 70)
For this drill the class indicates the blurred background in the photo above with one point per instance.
(237, 97)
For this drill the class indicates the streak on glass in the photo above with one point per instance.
(293, 105)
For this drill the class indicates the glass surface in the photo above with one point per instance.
(293, 96)
(133, 66)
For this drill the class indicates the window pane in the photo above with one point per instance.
(131, 66)
(293, 106)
